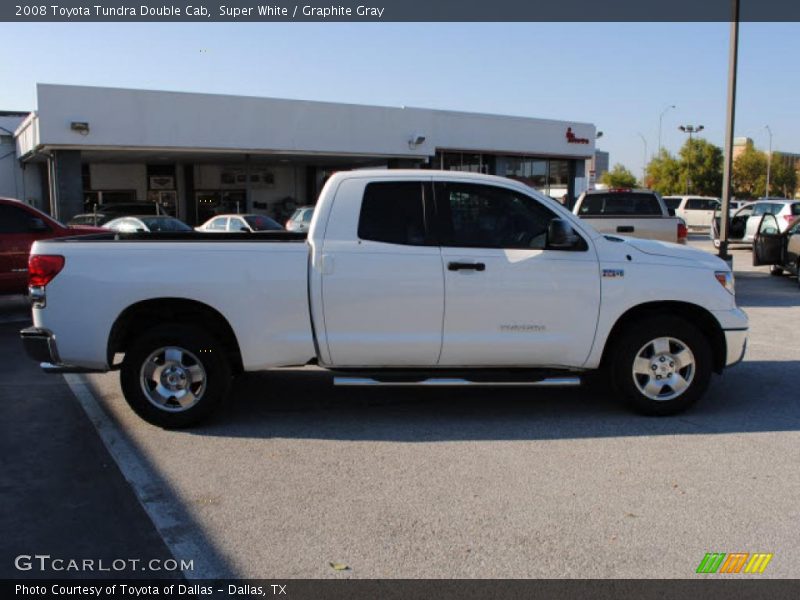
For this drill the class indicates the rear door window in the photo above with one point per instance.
(767, 208)
(218, 224)
(394, 213)
(695, 204)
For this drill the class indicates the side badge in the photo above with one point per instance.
(613, 273)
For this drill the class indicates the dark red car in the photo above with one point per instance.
(20, 226)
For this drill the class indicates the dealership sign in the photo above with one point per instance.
(573, 139)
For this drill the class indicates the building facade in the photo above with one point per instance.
(200, 154)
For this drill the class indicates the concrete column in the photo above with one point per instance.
(66, 184)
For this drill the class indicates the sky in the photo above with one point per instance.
(618, 76)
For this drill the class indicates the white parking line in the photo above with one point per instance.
(178, 535)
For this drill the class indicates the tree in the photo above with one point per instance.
(750, 173)
(619, 177)
(663, 174)
(783, 176)
(697, 169)
(701, 167)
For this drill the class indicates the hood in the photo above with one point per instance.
(677, 251)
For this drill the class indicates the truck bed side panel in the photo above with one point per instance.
(259, 288)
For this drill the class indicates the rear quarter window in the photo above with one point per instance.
(393, 213)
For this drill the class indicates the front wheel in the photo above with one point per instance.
(174, 376)
(661, 365)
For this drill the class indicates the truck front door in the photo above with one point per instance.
(509, 300)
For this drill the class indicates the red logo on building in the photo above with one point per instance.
(573, 139)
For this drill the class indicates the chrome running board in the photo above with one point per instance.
(444, 381)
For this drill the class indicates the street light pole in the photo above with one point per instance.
(733, 56)
(660, 120)
(690, 129)
(644, 164)
(769, 158)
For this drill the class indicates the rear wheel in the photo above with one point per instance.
(661, 365)
(174, 376)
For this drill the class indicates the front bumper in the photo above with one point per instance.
(40, 345)
(736, 343)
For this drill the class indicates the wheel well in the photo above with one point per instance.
(697, 315)
(145, 315)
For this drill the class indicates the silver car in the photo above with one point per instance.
(300, 219)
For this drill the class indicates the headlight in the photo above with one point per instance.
(725, 279)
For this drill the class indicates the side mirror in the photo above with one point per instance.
(561, 235)
(36, 224)
(671, 212)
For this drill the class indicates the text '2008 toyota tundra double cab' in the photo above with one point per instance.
(405, 277)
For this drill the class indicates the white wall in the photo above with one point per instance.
(149, 119)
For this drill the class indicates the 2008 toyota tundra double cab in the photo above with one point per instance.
(405, 277)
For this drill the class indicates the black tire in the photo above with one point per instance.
(776, 270)
(633, 343)
(202, 389)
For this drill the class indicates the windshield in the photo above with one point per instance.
(164, 224)
(262, 223)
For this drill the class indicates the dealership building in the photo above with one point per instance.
(202, 154)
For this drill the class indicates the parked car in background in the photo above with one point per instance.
(20, 226)
(779, 249)
(107, 212)
(247, 223)
(696, 211)
(300, 219)
(745, 221)
(147, 223)
(634, 213)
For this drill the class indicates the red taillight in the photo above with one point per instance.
(683, 231)
(42, 268)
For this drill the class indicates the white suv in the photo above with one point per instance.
(744, 222)
(697, 211)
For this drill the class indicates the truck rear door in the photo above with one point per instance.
(382, 285)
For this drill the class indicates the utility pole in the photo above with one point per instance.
(733, 55)
(644, 164)
(690, 129)
(769, 158)
(660, 121)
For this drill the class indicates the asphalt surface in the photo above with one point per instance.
(293, 474)
(61, 494)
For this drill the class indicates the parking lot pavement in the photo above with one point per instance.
(61, 493)
(294, 474)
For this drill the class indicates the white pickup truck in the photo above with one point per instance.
(405, 277)
(634, 213)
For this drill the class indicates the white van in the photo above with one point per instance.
(697, 211)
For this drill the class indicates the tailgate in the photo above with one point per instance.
(650, 228)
